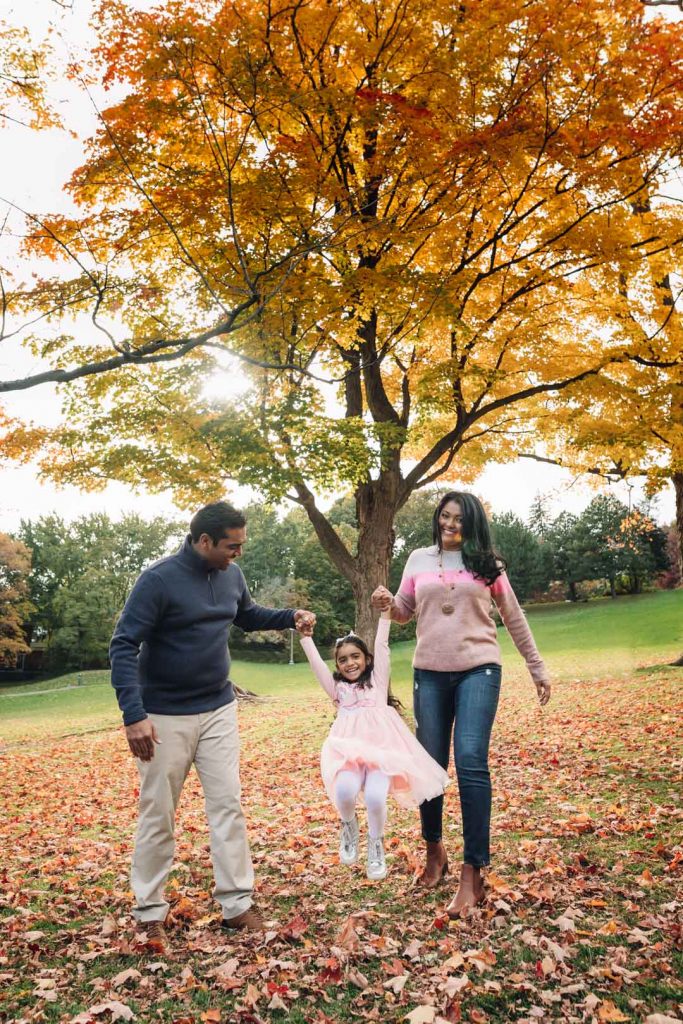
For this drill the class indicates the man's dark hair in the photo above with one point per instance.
(214, 520)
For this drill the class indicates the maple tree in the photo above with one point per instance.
(406, 208)
(15, 606)
(629, 422)
(24, 68)
(612, 542)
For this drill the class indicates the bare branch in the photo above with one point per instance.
(446, 443)
(614, 474)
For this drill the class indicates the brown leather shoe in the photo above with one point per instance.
(155, 936)
(249, 920)
(470, 892)
(436, 866)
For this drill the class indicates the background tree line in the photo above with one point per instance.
(62, 585)
(74, 582)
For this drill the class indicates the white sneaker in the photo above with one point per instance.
(377, 865)
(348, 841)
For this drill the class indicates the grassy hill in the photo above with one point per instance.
(579, 642)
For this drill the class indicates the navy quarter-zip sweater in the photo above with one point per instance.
(169, 653)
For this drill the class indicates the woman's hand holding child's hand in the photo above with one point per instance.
(382, 599)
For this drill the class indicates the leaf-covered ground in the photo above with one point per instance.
(582, 920)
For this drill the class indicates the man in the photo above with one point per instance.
(170, 665)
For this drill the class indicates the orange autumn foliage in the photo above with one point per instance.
(409, 208)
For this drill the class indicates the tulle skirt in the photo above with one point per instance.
(378, 738)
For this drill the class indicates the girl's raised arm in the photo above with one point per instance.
(320, 669)
(382, 668)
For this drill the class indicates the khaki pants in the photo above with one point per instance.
(211, 742)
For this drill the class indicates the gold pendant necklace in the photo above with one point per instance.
(447, 607)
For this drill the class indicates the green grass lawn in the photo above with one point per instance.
(641, 624)
(586, 885)
(579, 642)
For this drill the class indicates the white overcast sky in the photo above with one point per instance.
(33, 169)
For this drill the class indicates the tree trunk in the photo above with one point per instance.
(376, 506)
(612, 587)
(377, 502)
(573, 596)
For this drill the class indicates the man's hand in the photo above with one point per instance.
(141, 738)
(304, 621)
(382, 599)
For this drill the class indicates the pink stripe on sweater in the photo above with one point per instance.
(409, 583)
(501, 586)
(457, 575)
(408, 586)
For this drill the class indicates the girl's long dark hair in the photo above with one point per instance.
(364, 681)
(478, 553)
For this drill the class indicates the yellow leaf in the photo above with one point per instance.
(607, 1011)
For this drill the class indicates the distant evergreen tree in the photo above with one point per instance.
(539, 519)
(567, 565)
(521, 549)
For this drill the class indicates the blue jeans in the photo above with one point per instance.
(469, 700)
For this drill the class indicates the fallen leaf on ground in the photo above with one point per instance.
(607, 1011)
(421, 1015)
(118, 1011)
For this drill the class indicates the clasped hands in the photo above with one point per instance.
(382, 599)
(304, 622)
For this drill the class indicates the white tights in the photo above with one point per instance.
(375, 785)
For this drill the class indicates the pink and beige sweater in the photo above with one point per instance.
(467, 637)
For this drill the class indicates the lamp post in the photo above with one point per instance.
(291, 647)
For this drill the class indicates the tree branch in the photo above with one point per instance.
(614, 475)
(328, 536)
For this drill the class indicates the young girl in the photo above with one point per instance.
(369, 746)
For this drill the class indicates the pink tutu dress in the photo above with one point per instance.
(368, 733)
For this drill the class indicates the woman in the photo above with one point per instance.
(457, 669)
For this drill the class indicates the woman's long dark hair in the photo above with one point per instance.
(478, 554)
(363, 682)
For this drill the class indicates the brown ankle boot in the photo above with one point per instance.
(249, 920)
(155, 936)
(436, 866)
(470, 892)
